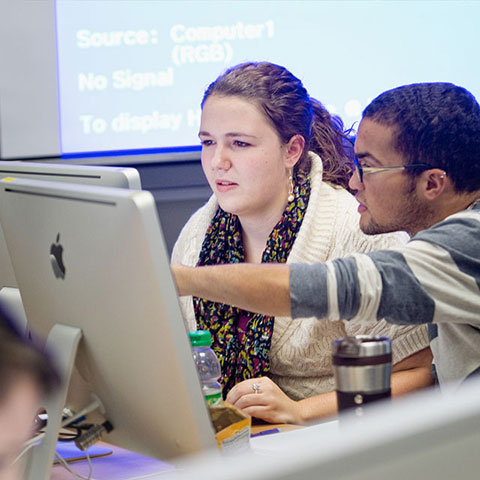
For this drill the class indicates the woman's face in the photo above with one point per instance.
(243, 158)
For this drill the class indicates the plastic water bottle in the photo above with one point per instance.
(208, 366)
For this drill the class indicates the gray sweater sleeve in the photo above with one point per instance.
(434, 278)
(308, 290)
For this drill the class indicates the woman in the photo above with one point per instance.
(278, 164)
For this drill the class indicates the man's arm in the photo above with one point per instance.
(257, 288)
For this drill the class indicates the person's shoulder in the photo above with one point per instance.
(203, 215)
(470, 214)
(458, 232)
(345, 203)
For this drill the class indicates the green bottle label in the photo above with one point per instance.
(213, 399)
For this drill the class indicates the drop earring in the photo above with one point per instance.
(291, 196)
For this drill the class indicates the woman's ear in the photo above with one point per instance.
(294, 150)
(434, 183)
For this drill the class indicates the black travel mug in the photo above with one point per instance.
(362, 365)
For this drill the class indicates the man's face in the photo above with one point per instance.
(389, 200)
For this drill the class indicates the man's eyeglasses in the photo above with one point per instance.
(367, 170)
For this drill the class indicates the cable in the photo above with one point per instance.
(30, 443)
(25, 450)
(71, 436)
(92, 435)
(89, 408)
(65, 465)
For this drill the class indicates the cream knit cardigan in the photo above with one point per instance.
(300, 355)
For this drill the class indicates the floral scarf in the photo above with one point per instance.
(244, 353)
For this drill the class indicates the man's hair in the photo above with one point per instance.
(21, 356)
(437, 124)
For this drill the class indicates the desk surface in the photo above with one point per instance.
(123, 464)
(120, 465)
(269, 426)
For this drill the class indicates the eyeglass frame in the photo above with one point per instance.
(368, 170)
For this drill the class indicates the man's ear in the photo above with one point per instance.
(434, 182)
(294, 150)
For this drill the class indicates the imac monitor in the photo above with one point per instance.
(107, 176)
(122, 177)
(94, 258)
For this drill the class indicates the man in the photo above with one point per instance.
(26, 374)
(417, 169)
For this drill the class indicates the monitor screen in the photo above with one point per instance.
(106, 176)
(94, 258)
(84, 78)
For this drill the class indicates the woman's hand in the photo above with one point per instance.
(274, 406)
(262, 398)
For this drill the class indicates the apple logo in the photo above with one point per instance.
(56, 253)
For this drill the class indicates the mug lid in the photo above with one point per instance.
(362, 346)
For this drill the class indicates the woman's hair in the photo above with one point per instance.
(290, 109)
(21, 356)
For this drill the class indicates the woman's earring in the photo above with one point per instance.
(291, 196)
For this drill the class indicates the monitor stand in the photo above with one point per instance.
(62, 342)
(11, 298)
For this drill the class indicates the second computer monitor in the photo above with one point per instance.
(121, 177)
